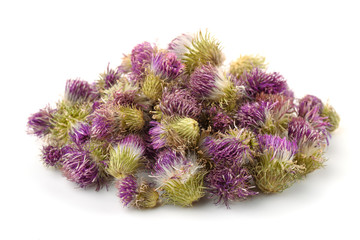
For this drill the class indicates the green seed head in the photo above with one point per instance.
(245, 64)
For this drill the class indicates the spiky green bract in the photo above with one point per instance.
(126, 157)
(203, 49)
(184, 193)
(332, 117)
(147, 196)
(153, 87)
(65, 118)
(181, 132)
(246, 63)
(275, 170)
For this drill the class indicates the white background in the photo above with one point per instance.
(314, 44)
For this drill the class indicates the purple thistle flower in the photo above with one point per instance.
(166, 159)
(318, 122)
(127, 189)
(156, 133)
(135, 142)
(227, 151)
(275, 147)
(141, 57)
(166, 66)
(229, 184)
(219, 121)
(39, 124)
(180, 102)
(302, 131)
(266, 116)
(110, 77)
(79, 167)
(80, 134)
(202, 80)
(258, 81)
(309, 102)
(52, 155)
(78, 91)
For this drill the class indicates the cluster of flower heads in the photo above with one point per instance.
(171, 126)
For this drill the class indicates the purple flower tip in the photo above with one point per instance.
(111, 77)
(52, 155)
(127, 189)
(141, 57)
(258, 81)
(166, 66)
(39, 123)
(220, 121)
(309, 102)
(80, 168)
(276, 147)
(80, 134)
(156, 134)
(202, 80)
(78, 91)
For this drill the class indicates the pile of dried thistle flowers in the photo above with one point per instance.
(171, 126)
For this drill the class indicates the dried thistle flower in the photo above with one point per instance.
(227, 184)
(309, 102)
(245, 64)
(258, 81)
(52, 155)
(126, 157)
(153, 87)
(39, 124)
(177, 132)
(179, 102)
(275, 170)
(208, 82)
(141, 57)
(179, 177)
(78, 91)
(166, 66)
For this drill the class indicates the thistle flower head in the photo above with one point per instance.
(79, 167)
(39, 124)
(311, 142)
(180, 177)
(52, 155)
(141, 57)
(229, 184)
(332, 116)
(80, 134)
(127, 189)
(208, 82)
(179, 102)
(204, 49)
(166, 66)
(258, 81)
(245, 64)
(126, 157)
(228, 151)
(157, 135)
(77, 91)
(275, 170)
(275, 148)
(266, 117)
(309, 102)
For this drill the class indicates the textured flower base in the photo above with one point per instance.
(173, 125)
